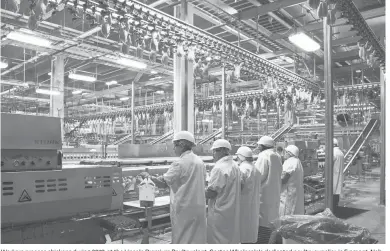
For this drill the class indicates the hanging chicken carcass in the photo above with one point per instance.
(106, 23)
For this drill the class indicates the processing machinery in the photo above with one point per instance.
(41, 201)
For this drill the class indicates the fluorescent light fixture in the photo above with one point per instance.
(288, 59)
(131, 63)
(30, 39)
(111, 83)
(160, 92)
(84, 93)
(82, 77)
(304, 42)
(124, 98)
(77, 92)
(154, 72)
(49, 74)
(47, 92)
(159, 77)
(358, 71)
(3, 65)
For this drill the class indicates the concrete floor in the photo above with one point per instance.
(360, 205)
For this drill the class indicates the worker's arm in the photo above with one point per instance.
(263, 166)
(244, 174)
(169, 177)
(285, 177)
(216, 184)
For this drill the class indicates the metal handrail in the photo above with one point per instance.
(360, 135)
(361, 145)
(163, 137)
(209, 137)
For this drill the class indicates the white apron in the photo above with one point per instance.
(292, 194)
(250, 202)
(223, 217)
(270, 188)
(186, 178)
(338, 168)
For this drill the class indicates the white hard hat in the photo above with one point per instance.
(266, 141)
(245, 151)
(293, 150)
(335, 142)
(184, 135)
(219, 143)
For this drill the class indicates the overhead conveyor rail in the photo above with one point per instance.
(123, 140)
(285, 129)
(359, 142)
(210, 137)
(162, 138)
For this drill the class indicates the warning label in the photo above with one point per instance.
(24, 197)
(113, 192)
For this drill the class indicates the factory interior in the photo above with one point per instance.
(95, 92)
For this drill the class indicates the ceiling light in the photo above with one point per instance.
(84, 93)
(30, 39)
(49, 74)
(131, 63)
(358, 71)
(304, 42)
(288, 59)
(159, 77)
(47, 92)
(3, 65)
(75, 92)
(111, 83)
(154, 72)
(160, 92)
(82, 77)
(124, 98)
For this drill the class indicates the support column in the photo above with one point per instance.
(329, 115)
(183, 86)
(132, 113)
(223, 116)
(382, 197)
(57, 84)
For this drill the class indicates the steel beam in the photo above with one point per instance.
(329, 116)
(382, 194)
(266, 8)
(223, 96)
(57, 84)
(183, 84)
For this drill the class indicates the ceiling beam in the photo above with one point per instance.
(369, 14)
(266, 8)
(346, 55)
(346, 41)
(349, 68)
(213, 20)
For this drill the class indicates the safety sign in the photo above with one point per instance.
(24, 197)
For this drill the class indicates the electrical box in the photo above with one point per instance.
(30, 143)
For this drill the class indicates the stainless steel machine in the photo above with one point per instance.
(38, 193)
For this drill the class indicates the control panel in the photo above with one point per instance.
(29, 160)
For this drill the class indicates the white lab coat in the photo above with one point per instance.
(292, 197)
(338, 168)
(223, 217)
(250, 202)
(186, 179)
(270, 166)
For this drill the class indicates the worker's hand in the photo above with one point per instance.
(159, 181)
(144, 175)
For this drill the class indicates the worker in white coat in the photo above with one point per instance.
(186, 179)
(223, 192)
(292, 194)
(338, 175)
(250, 196)
(270, 166)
